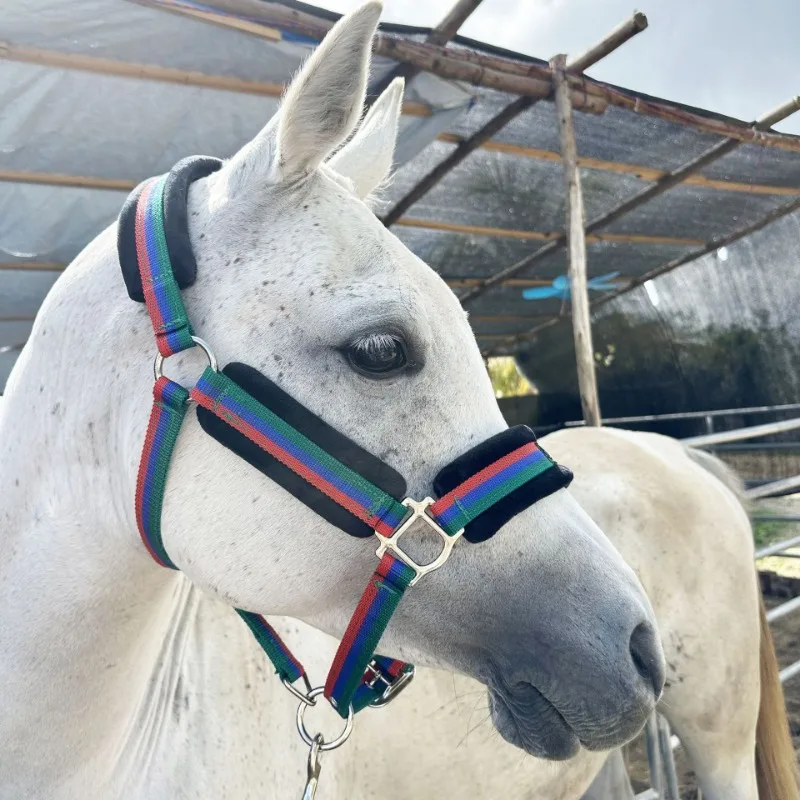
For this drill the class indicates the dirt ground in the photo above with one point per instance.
(786, 634)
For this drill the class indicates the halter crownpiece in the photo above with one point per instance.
(324, 469)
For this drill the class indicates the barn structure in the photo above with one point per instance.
(691, 219)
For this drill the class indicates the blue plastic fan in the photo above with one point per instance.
(560, 287)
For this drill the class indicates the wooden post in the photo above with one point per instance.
(576, 250)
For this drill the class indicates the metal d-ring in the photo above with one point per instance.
(158, 364)
(302, 697)
(308, 738)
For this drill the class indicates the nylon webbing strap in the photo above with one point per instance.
(216, 392)
(286, 665)
(488, 487)
(169, 409)
(348, 674)
(161, 293)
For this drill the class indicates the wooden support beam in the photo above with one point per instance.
(153, 72)
(643, 173)
(522, 282)
(511, 233)
(632, 26)
(32, 266)
(440, 35)
(669, 180)
(639, 171)
(576, 250)
(70, 181)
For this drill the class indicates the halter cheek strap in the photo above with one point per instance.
(334, 476)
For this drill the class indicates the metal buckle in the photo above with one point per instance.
(393, 687)
(418, 511)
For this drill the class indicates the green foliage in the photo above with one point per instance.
(765, 532)
(506, 378)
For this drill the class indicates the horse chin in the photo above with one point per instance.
(525, 718)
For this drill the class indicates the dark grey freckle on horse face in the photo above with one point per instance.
(202, 236)
(277, 357)
(236, 260)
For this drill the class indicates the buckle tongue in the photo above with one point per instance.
(418, 511)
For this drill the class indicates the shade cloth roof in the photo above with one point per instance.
(95, 97)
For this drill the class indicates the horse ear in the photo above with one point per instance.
(367, 158)
(321, 107)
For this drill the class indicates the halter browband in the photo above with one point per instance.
(335, 477)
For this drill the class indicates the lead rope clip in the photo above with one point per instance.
(314, 768)
(318, 744)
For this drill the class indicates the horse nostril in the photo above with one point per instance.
(645, 656)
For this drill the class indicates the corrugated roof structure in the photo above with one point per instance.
(98, 94)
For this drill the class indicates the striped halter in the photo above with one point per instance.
(351, 488)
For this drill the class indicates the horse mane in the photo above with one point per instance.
(776, 762)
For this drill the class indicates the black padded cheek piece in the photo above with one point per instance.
(480, 457)
(316, 429)
(176, 225)
(126, 245)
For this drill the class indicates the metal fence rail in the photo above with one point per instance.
(753, 432)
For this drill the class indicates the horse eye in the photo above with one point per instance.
(377, 355)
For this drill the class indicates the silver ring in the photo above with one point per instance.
(158, 364)
(306, 736)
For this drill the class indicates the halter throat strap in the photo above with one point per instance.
(334, 476)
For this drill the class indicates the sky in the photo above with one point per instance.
(735, 57)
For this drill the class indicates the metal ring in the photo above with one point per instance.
(158, 364)
(303, 698)
(306, 736)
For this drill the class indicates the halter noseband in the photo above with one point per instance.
(335, 477)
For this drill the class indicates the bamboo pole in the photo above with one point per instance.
(576, 251)
(635, 24)
(440, 35)
(491, 71)
(669, 180)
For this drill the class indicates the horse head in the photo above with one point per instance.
(297, 276)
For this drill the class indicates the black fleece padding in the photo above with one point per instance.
(176, 225)
(480, 457)
(316, 429)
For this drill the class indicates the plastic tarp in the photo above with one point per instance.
(100, 126)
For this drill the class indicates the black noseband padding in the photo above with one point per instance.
(480, 457)
(176, 225)
(316, 429)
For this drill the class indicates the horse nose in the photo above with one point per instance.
(645, 653)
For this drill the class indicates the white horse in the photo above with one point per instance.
(688, 538)
(120, 679)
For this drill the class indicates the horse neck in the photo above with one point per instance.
(84, 609)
